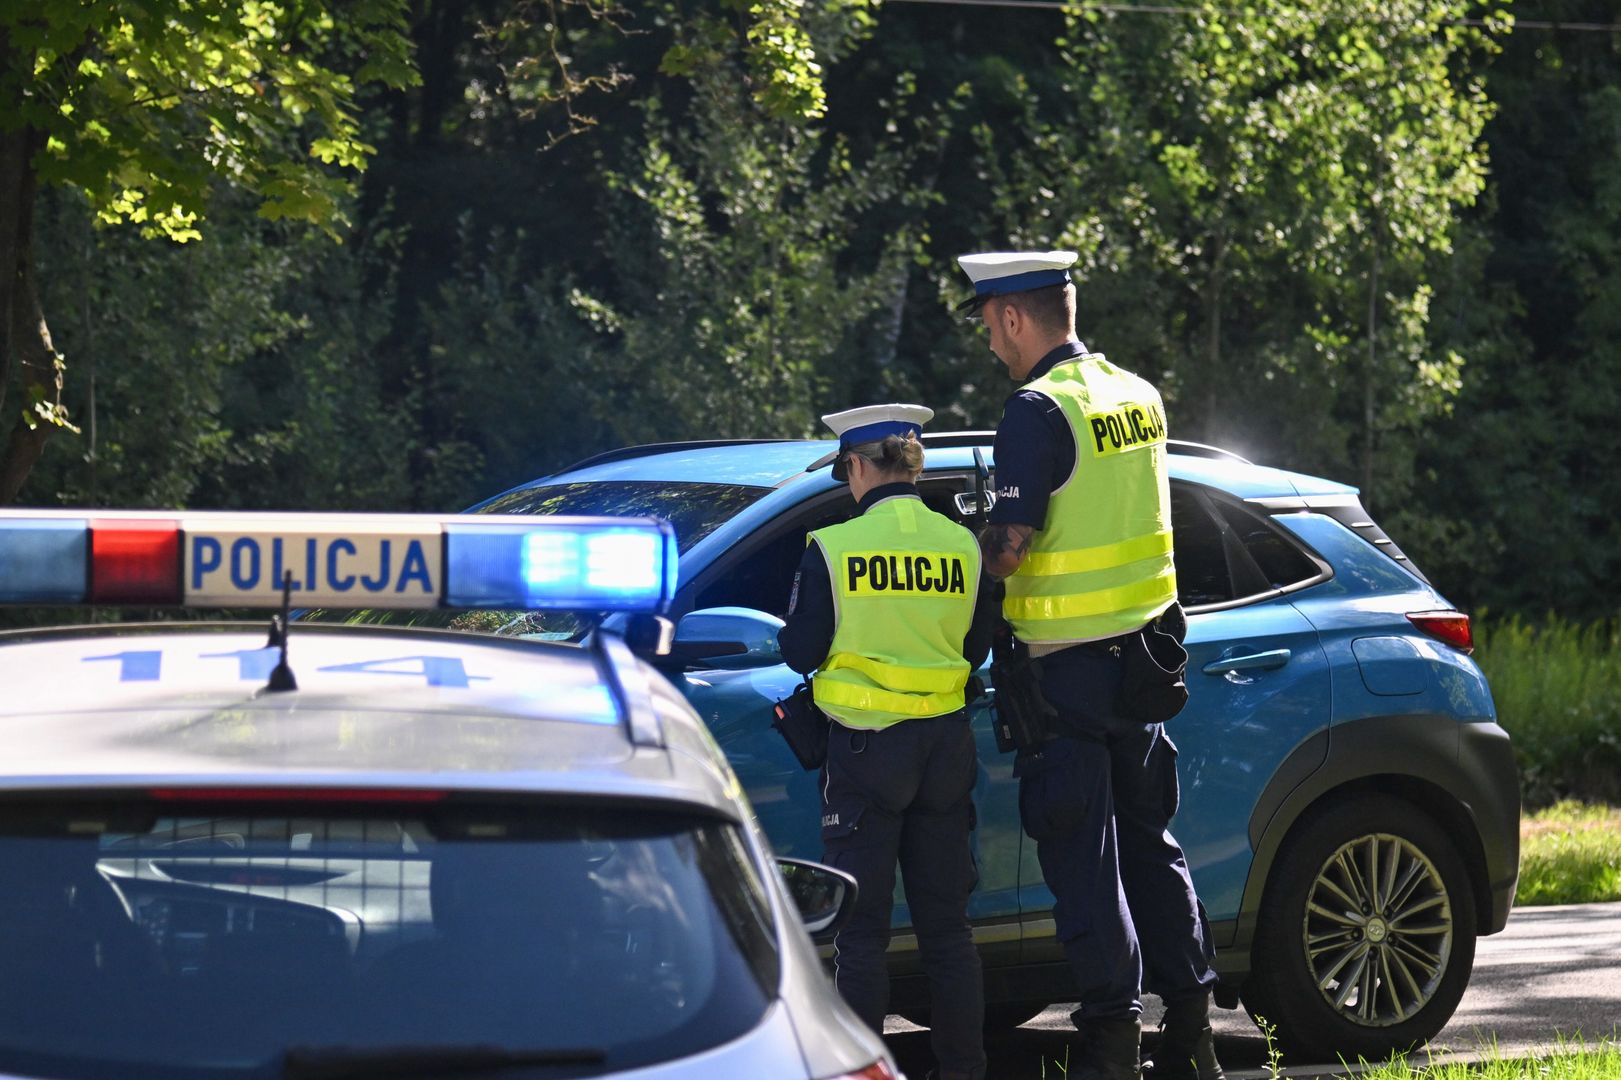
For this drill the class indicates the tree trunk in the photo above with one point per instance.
(1215, 378)
(440, 29)
(26, 353)
(87, 343)
(1370, 373)
(13, 216)
(894, 315)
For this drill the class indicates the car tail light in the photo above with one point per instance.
(1451, 627)
(878, 1070)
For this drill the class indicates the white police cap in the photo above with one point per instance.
(996, 273)
(869, 423)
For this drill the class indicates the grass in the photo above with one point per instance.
(1570, 853)
(1573, 1060)
(1558, 691)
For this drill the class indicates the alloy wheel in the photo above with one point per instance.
(1378, 930)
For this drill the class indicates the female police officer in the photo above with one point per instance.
(889, 613)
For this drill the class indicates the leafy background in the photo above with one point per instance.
(1375, 240)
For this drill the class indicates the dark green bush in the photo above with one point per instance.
(1558, 691)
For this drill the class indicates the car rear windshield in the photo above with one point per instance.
(233, 942)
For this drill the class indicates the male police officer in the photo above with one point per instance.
(889, 612)
(1081, 532)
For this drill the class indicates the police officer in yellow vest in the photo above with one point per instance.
(1081, 534)
(889, 612)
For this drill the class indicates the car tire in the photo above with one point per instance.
(1366, 936)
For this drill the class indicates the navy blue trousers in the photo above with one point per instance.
(904, 794)
(1098, 802)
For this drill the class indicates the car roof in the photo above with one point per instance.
(773, 463)
(129, 707)
(752, 463)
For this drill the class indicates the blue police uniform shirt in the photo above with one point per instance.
(1034, 448)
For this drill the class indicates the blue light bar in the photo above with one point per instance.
(596, 564)
(243, 560)
(44, 560)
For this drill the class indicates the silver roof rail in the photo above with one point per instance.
(1196, 449)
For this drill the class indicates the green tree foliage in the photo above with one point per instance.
(591, 224)
(1285, 177)
(147, 108)
(523, 172)
(742, 223)
(1518, 486)
(222, 372)
(732, 307)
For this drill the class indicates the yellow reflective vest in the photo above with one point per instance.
(1101, 565)
(904, 581)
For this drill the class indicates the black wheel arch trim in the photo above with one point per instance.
(1462, 774)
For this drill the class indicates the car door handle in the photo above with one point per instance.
(1262, 661)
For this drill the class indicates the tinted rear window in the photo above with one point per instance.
(1280, 562)
(211, 944)
(1201, 561)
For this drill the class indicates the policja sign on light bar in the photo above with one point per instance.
(341, 560)
(379, 565)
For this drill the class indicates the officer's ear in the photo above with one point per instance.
(1012, 316)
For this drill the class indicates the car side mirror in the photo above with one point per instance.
(825, 897)
(727, 637)
(650, 637)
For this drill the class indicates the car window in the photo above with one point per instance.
(204, 945)
(1201, 560)
(1280, 562)
(763, 579)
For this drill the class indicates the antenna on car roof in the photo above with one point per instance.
(281, 676)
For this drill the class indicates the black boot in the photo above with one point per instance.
(1109, 1049)
(1187, 1047)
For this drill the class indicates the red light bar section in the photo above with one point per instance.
(134, 562)
(295, 794)
(1449, 627)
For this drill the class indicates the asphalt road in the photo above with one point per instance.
(1554, 971)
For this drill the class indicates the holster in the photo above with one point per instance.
(1153, 666)
(1024, 717)
(803, 727)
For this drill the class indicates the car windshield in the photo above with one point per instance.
(694, 510)
(234, 942)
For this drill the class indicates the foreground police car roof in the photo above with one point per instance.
(438, 852)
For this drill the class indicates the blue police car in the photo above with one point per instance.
(240, 850)
(1349, 805)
